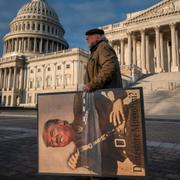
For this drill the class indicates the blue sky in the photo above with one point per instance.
(77, 16)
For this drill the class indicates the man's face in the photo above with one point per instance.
(59, 135)
(92, 39)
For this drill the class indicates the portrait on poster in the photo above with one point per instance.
(96, 134)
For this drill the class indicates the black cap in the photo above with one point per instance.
(94, 31)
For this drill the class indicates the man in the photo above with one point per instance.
(57, 133)
(103, 71)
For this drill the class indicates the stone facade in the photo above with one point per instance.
(148, 39)
(36, 58)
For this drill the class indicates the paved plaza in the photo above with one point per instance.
(19, 150)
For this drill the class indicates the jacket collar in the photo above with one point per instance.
(93, 48)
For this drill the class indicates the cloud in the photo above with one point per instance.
(84, 12)
(135, 5)
(77, 16)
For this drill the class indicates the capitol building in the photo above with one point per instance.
(148, 41)
(37, 59)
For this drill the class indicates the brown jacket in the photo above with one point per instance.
(103, 71)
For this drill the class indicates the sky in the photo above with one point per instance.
(76, 16)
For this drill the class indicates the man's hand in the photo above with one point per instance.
(87, 88)
(73, 160)
(117, 115)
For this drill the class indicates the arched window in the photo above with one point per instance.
(39, 27)
(33, 26)
(23, 27)
(4, 102)
(44, 27)
(9, 100)
(52, 30)
(19, 27)
(59, 67)
(68, 66)
(39, 70)
(28, 26)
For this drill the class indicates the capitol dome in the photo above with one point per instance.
(35, 30)
(39, 7)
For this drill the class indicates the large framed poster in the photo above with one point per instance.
(92, 134)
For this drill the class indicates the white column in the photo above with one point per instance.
(143, 52)
(9, 45)
(169, 56)
(122, 52)
(35, 44)
(5, 78)
(129, 60)
(22, 45)
(162, 51)
(21, 79)
(14, 78)
(174, 66)
(177, 49)
(19, 44)
(117, 50)
(40, 46)
(16, 45)
(9, 78)
(36, 26)
(52, 46)
(134, 50)
(147, 54)
(28, 45)
(25, 44)
(24, 78)
(158, 53)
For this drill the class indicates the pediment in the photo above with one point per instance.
(162, 8)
